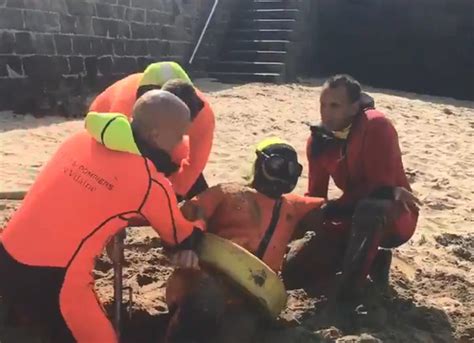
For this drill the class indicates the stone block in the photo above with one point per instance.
(80, 7)
(180, 48)
(123, 29)
(135, 14)
(84, 25)
(82, 45)
(11, 18)
(124, 3)
(45, 67)
(24, 43)
(105, 65)
(15, 3)
(67, 23)
(63, 44)
(59, 6)
(170, 7)
(119, 47)
(155, 47)
(159, 48)
(44, 44)
(76, 65)
(7, 42)
(102, 46)
(136, 48)
(44, 5)
(41, 21)
(125, 65)
(151, 4)
(110, 11)
(141, 31)
(157, 17)
(105, 27)
(10, 66)
(90, 64)
(143, 62)
(174, 33)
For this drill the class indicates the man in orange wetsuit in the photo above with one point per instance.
(191, 157)
(358, 147)
(261, 217)
(81, 198)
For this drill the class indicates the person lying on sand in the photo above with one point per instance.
(261, 217)
(81, 198)
(358, 147)
(192, 155)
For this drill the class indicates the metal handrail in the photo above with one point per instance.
(198, 44)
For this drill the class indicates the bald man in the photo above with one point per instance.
(81, 198)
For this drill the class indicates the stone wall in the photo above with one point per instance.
(425, 46)
(52, 49)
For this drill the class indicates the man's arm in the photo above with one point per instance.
(310, 214)
(160, 208)
(201, 136)
(204, 205)
(318, 177)
(382, 161)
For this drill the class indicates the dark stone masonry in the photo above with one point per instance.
(53, 53)
(54, 50)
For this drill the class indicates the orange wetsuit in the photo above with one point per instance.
(243, 216)
(193, 155)
(198, 299)
(82, 197)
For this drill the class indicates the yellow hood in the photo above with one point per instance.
(113, 130)
(159, 73)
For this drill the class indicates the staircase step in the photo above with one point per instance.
(233, 77)
(282, 24)
(249, 67)
(262, 34)
(279, 45)
(278, 13)
(255, 55)
(272, 4)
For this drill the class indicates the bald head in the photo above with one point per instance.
(161, 119)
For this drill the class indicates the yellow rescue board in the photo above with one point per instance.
(245, 269)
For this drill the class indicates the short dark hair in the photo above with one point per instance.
(352, 86)
(143, 89)
(187, 93)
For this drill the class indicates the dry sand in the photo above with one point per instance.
(433, 275)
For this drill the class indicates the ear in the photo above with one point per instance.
(197, 106)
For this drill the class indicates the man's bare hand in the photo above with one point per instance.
(409, 201)
(185, 259)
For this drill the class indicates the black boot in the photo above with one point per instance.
(368, 224)
(380, 273)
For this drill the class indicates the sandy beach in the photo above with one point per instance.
(433, 275)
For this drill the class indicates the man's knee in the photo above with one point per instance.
(372, 212)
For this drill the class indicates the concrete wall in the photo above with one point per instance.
(425, 46)
(55, 49)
